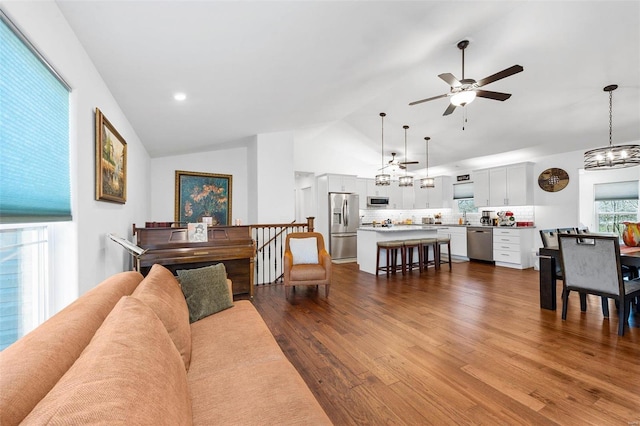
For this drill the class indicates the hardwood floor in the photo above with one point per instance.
(470, 346)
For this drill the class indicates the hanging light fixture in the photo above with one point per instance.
(405, 180)
(383, 179)
(427, 182)
(612, 157)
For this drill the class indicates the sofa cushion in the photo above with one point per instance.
(33, 365)
(304, 250)
(130, 373)
(161, 292)
(206, 290)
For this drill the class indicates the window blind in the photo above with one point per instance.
(616, 191)
(463, 191)
(34, 134)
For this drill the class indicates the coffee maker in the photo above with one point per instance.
(485, 219)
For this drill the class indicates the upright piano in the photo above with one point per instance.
(170, 247)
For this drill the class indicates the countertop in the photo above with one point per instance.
(415, 227)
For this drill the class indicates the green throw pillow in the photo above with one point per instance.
(205, 290)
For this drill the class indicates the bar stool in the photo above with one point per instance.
(407, 255)
(426, 243)
(392, 249)
(440, 241)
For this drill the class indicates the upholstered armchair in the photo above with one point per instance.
(306, 261)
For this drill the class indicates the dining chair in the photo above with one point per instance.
(582, 230)
(566, 230)
(592, 266)
(549, 238)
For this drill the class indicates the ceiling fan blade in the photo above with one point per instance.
(429, 99)
(500, 75)
(449, 109)
(409, 162)
(450, 79)
(498, 96)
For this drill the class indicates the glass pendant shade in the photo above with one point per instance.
(612, 156)
(463, 98)
(427, 183)
(405, 181)
(383, 180)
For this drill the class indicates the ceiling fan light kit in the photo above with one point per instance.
(612, 156)
(465, 90)
(383, 179)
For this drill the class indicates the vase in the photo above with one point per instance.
(631, 234)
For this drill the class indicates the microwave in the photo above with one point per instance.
(377, 201)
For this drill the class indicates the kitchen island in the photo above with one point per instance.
(368, 237)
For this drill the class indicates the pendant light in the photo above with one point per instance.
(382, 179)
(612, 157)
(427, 182)
(405, 180)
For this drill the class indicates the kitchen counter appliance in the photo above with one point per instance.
(344, 210)
(480, 243)
(486, 218)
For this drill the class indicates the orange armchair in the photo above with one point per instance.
(305, 264)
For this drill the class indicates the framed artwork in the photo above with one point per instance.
(111, 162)
(553, 180)
(203, 195)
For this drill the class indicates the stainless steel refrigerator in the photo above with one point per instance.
(343, 225)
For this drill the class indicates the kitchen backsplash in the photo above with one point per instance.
(521, 213)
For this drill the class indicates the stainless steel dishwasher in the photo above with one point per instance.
(480, 243)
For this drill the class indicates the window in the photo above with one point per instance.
(463, 194)
(615, 203)
(34, 125)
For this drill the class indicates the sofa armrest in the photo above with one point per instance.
(287, 263)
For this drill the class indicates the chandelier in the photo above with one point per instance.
(427, 182)
(382, 179)
(405, 180)
(612, 157)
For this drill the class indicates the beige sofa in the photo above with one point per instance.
(125, 353)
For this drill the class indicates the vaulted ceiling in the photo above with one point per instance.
(253, 67)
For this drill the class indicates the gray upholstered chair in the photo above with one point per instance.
(591, 265)
(306, 261)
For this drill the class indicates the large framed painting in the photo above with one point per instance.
(111, 162)
(203, 195)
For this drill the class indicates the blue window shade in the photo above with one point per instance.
(34, 135)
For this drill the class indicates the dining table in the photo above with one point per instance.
(549, 260)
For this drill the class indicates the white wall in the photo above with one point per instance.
(88, 257)
(229, 162)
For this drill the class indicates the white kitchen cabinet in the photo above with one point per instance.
(374, 190)
(342, 183)
(458, 235)
(481, 188)
(361, 185)
(504, 186)
(396, 196)
(512, 247)
(434, 198)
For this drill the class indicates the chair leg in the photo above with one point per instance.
(449, 253)
(287, 291)
(326, 290)
(605, 307)
(583, 302)
(565, 302)
(625, 306)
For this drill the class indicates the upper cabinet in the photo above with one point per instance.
(342, 183)
(434, 198)
(504, 186)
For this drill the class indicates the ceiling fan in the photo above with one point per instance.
(399, 164)
(464, 91)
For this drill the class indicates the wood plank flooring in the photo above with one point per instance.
(470, 346)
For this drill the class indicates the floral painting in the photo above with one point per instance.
(201, 195)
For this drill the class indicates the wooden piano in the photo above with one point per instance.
(170, 247)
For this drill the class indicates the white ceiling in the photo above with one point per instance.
(253, 67)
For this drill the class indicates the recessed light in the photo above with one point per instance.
(180, 96)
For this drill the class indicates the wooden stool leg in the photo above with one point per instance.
(449, 252)
(378, 262)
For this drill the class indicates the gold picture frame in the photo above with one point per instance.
(200, 195)
(111, 162)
